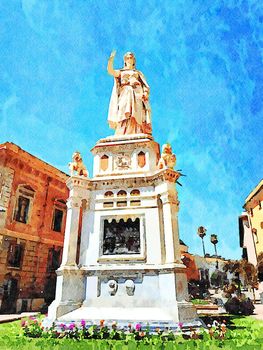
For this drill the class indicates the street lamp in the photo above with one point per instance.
(214, 241)
(201, 231)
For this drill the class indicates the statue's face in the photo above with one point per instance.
(129, 60)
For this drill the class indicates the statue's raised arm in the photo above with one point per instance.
(129, 110)
(111, 70)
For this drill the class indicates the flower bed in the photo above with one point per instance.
(33, 328)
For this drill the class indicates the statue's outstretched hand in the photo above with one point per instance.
(113, 54)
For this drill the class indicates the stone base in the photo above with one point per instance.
(187, 312)
(147, 317)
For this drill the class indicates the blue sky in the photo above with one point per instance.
(203, 62)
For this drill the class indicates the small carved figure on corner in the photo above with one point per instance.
(77, 165)
(112, 287)
(168, 159)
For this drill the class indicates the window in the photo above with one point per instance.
(135, 202)
(135, 193)
(25, 195)
(58, 215)
(121, 193)
(54, 259)
(141, 159)
(15, 255)
(108, 204)
(57, 220)
(104, 162)
(122, 203)
(108, 194)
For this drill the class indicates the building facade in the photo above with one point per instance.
(251, 228)
(32, 222)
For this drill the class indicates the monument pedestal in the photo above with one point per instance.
(129, 267)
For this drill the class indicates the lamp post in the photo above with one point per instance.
(214, 241)
(201, 231)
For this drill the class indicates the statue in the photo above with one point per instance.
(168, 159)
(77, 165)
(129, 109)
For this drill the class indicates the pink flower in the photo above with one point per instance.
(180, 325)
(138, 327)
(83, 323)
(23, 323)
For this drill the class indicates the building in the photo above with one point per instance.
(32, 222)
(251, 228)
(188, 260)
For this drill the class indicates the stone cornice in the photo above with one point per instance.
(17, 156)
(136, 181)
(33, 238)
(113, 144)
(135, 267)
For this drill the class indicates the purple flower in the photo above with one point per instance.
(62, 326)
(138, 327)
(180, 325)
(32, 318)
(83, 323)
(71, 326)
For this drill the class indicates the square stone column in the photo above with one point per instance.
(70, 289)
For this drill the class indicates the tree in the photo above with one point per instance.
(248, 272)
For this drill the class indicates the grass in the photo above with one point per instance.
(244, 333)
(199, 302)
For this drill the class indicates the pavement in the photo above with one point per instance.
(258, 312)
(13, 317)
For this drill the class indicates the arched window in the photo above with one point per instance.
(24, 199)
(108, 203)
(135, 193)
(141, 159)
(104, 162)
(135, 202)
(108, 194)
(122, 194)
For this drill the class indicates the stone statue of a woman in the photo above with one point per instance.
(129, 110)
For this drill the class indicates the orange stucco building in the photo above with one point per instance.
(33, 198)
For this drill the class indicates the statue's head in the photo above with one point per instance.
(167, 148)
(129, 58)
(76, 157)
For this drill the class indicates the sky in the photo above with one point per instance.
(203, 62)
